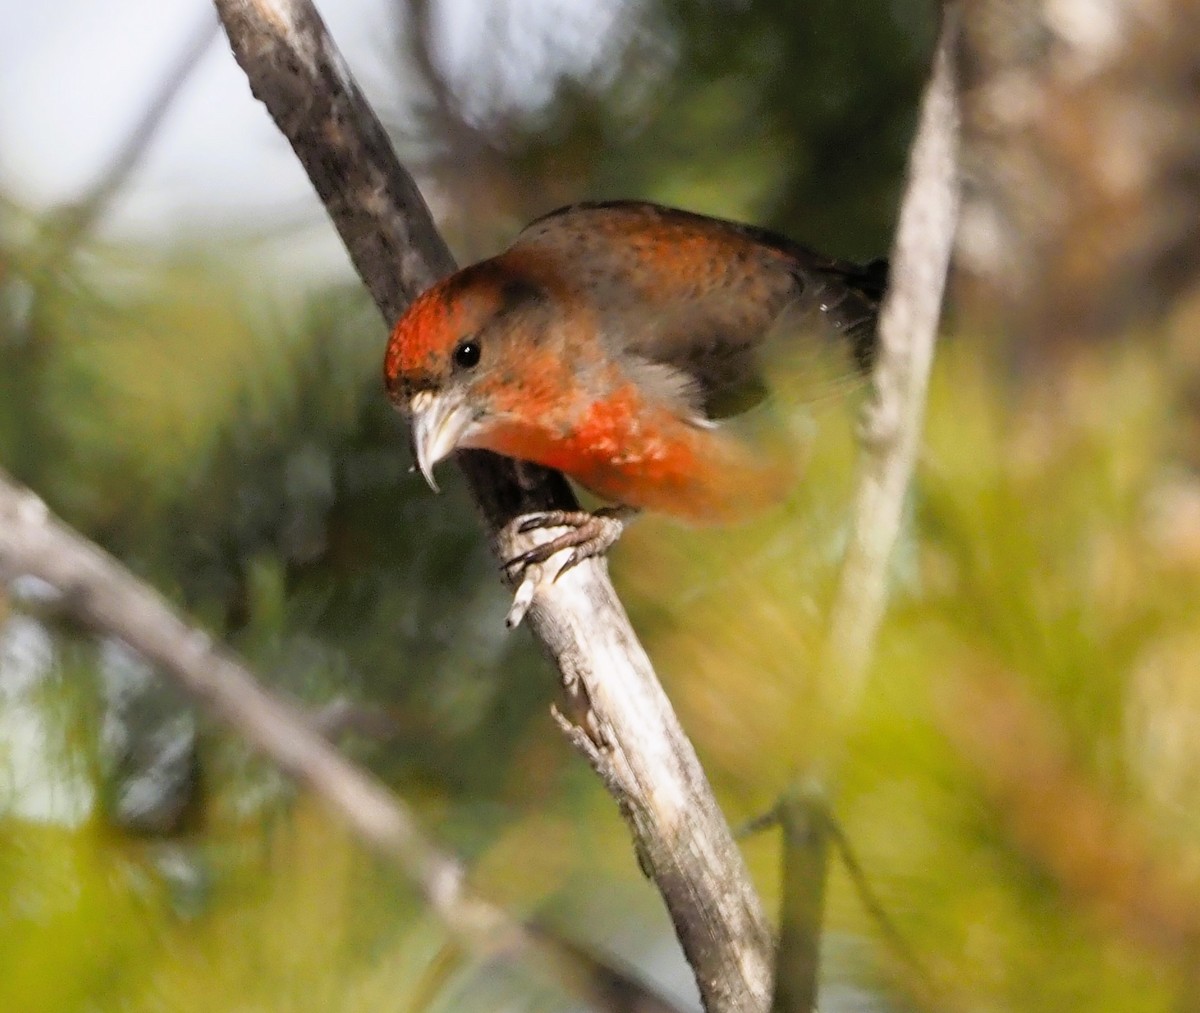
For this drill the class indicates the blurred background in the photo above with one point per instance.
(189, 373)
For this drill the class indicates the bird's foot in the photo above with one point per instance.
(588, 534)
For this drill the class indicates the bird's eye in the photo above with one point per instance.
(466, 354)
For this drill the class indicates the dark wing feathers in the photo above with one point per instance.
(708, 291)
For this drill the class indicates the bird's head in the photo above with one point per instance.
(457, 359)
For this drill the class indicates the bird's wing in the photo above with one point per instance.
(705, 293)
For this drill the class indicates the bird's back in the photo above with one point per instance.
(701, 295)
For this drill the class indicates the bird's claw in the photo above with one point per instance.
(588, 534)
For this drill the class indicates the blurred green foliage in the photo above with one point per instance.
(229, 441)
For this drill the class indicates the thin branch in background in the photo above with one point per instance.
(100, 592)
(81, 216)
(875, 909)
(809, 827)
(804, 819)
(465, 143)
(908, 325)
(624, 723)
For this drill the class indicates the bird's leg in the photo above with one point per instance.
(591, 533)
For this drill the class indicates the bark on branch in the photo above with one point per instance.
(619, 716)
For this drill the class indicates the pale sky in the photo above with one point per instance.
(76, 74)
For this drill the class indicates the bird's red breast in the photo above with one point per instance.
(633, 452)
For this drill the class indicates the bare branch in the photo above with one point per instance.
(101, 592)
(623, 720)
(907, 331)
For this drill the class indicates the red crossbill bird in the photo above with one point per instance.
(610, 341)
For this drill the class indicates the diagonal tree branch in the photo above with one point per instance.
(618, 714)
(101, 592)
